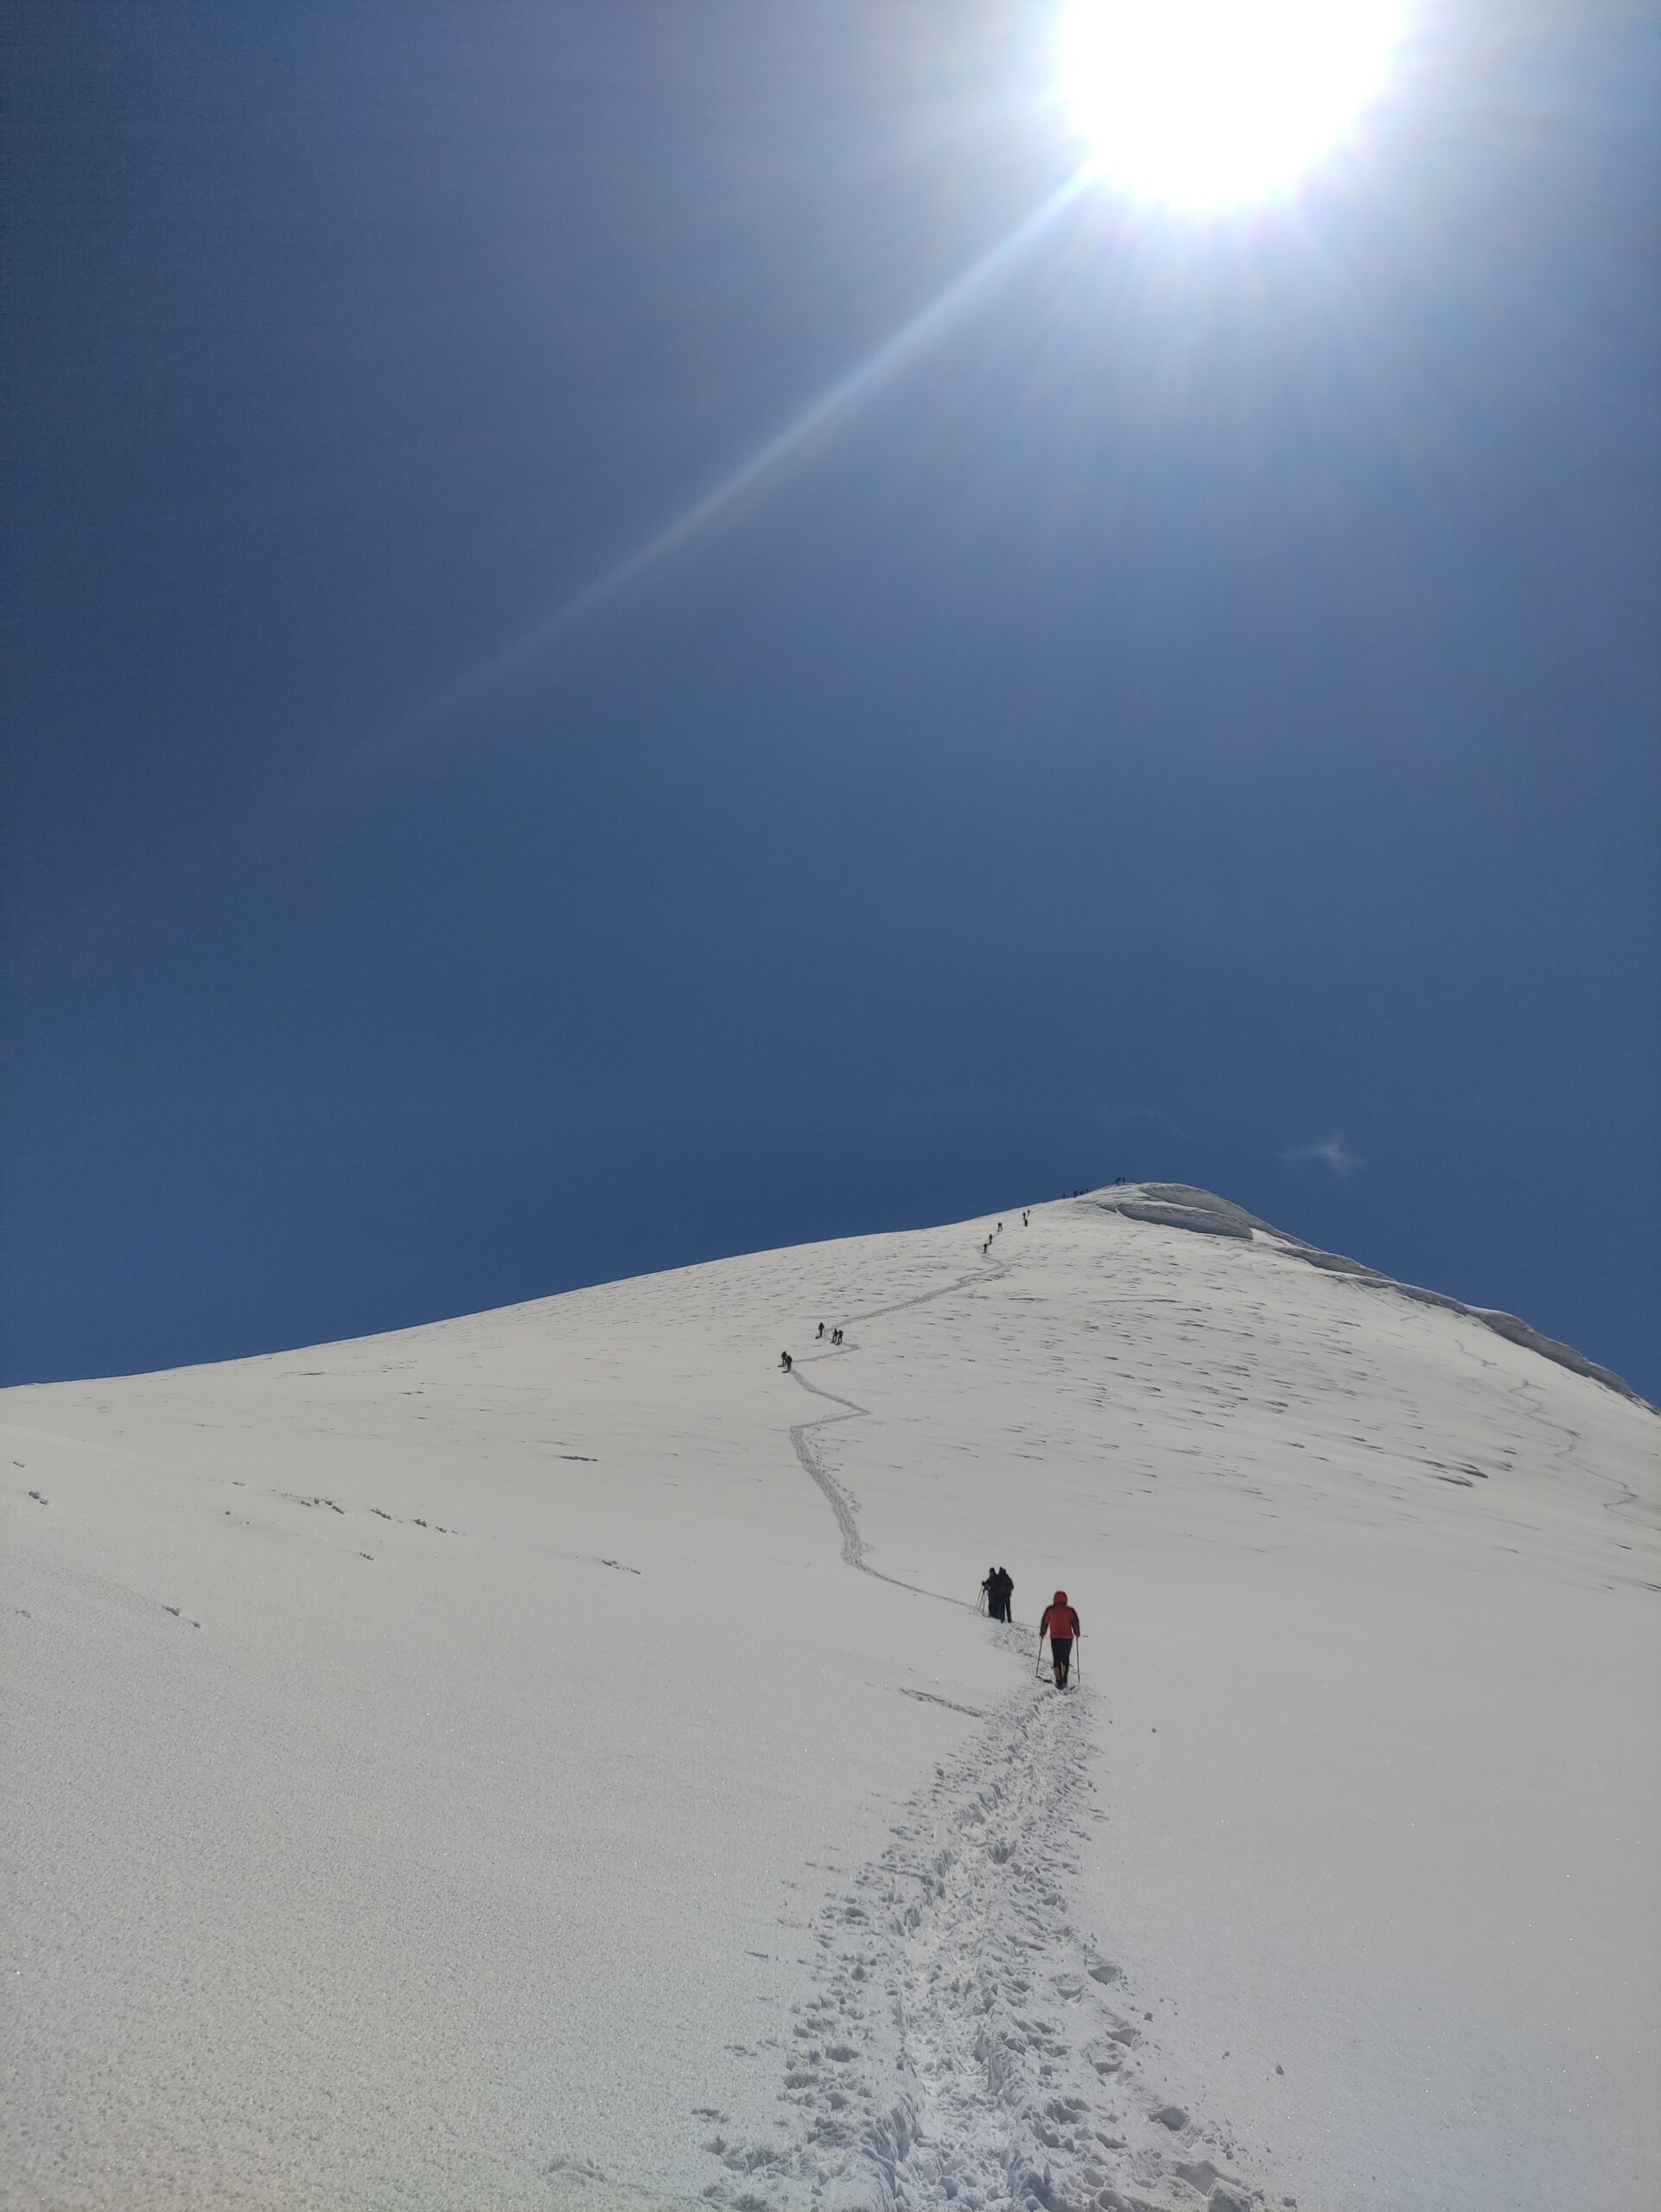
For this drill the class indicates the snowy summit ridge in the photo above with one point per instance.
(1182, 1205)
(553, 1761)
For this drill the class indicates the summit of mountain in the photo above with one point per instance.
(1183, 1206)
(552, 1759)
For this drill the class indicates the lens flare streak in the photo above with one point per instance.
(821, 415)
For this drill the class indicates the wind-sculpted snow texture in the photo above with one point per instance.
(1179, 1205)
(551, 1759)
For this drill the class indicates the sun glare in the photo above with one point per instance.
(1207, 105)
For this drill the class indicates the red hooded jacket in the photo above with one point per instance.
(1060, 1619)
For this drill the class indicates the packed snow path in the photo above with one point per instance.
(801, 1435)
(956, 2049)
(964, 2044)
(446, 1764)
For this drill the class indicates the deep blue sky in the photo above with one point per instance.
(1204, 705)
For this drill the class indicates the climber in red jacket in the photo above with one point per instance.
(1061, 1624)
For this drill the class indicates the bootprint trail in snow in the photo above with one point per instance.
(964, 2045)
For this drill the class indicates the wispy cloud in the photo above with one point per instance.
(1328, 1152)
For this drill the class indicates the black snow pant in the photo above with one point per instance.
(1061, 1652)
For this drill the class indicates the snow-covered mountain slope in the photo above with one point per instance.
(551, 1759)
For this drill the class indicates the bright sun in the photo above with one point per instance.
(1209, 104)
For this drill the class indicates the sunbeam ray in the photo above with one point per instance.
(894, 354)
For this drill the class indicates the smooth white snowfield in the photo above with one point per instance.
(487, 1766)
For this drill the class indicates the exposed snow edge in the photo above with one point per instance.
(1181, 1205)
